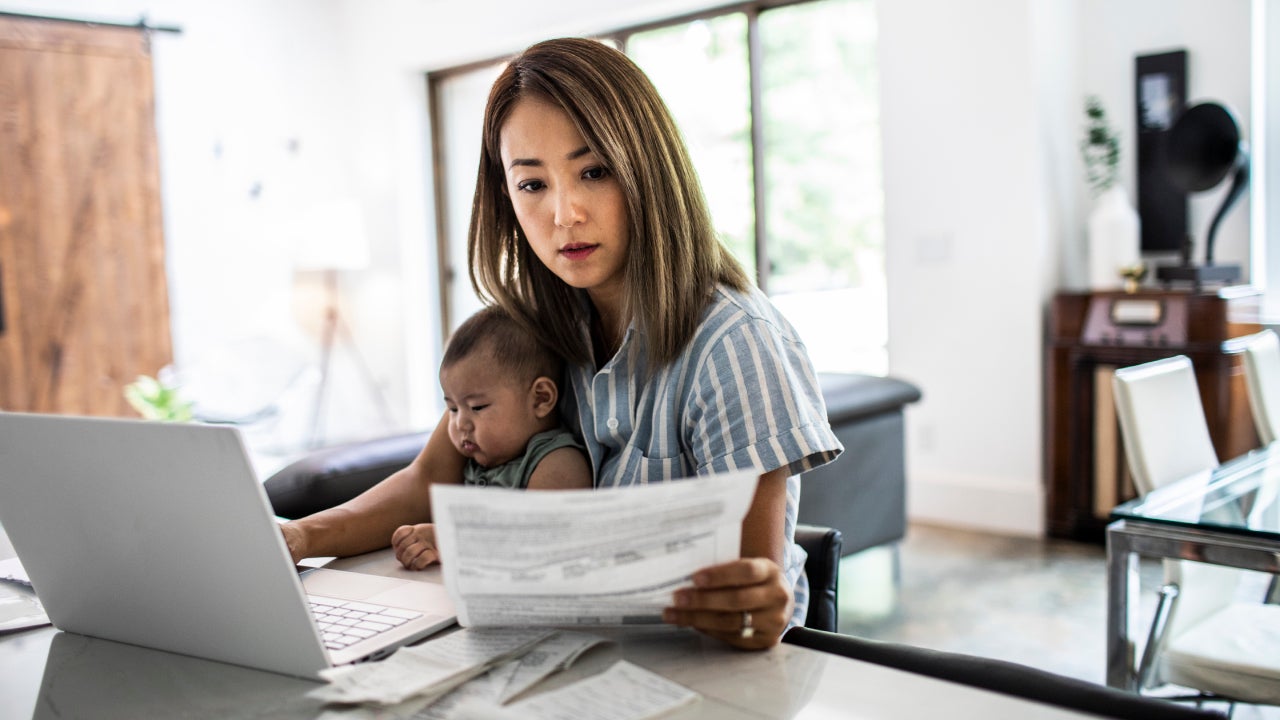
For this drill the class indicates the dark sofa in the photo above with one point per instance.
(863, 493)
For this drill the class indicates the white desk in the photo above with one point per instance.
(46, 674)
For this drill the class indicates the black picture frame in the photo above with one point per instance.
(1160, 96)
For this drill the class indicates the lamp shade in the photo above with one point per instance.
(328, 236)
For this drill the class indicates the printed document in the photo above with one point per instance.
(428, 670)
(583, 557)
(504, 682)
(430, 681)
(20, 609)
(623, 692)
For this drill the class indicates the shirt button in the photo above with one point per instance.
(612, 424)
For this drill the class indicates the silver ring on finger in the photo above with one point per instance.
(747, 632)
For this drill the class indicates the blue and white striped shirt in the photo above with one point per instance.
(742, 394)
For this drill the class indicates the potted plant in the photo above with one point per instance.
(1100, 147)
(1113, 231)
(155, 400)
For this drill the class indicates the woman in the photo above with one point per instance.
(589, 227)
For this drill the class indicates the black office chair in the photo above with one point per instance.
(823, 544)
(1000, 676)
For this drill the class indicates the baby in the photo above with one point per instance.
(501, 386)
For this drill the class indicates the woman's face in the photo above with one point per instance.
(571, 207)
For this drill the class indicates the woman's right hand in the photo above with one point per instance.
(415, 545)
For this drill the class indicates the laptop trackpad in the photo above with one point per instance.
(395, 592)
(347, 585)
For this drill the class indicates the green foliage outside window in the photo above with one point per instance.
(701, 70)
(822, 145)
(820, 118)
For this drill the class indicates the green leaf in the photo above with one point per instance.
(154, 400)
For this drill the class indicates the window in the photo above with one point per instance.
(824, 206)
(779, 106)
(459, 103)
(701, 70)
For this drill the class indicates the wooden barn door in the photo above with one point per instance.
(83, 299)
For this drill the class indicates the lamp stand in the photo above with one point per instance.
(335, 330)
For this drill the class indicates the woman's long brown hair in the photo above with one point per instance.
(674, 258)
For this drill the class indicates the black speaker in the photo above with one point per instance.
(1203, 148)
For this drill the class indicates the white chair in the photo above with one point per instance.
(1262, 377)
(1202, 636)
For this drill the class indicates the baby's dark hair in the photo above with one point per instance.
(512, 347)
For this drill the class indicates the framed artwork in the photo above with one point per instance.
(1160, 94)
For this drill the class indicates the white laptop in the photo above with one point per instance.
(160, 535)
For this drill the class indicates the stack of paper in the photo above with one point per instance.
(425, 671)
(19, 607)
(447, 680)
(623, 692)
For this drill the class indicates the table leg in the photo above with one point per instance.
(1122, 571)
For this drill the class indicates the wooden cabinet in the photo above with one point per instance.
(83, 298)
(1092, 334)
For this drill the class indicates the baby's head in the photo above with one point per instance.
(500, 385)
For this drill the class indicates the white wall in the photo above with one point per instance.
(984, 194)
(969, 252)
(1217, 38)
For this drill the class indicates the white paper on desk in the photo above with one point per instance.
(20, 609)
(509, 679)
(11, 570)
(430, 669)
(583, 557)
(623, 692)
(549, 656)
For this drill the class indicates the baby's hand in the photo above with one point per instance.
(415, 545)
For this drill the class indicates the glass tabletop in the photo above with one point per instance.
(1240, 496)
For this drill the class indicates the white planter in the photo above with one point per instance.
(1114, 239)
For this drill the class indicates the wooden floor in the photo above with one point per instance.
(1033, 601)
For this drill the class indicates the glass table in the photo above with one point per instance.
(1229, 516)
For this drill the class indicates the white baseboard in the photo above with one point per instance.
(1006, 508)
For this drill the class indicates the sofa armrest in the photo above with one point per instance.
(851, 397)
(334, 475)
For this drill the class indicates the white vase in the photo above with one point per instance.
(1114, 238)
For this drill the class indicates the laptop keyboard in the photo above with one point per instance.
(344, 622)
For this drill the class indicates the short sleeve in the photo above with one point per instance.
(756, 402)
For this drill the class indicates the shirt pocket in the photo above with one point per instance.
(634, 467)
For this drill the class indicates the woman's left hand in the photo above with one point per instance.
(745, 603)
